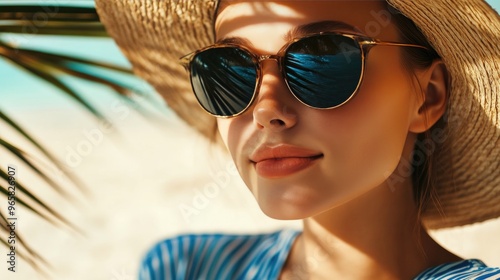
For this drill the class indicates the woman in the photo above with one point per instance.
(370, 122)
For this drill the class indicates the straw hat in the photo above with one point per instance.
(154, 34)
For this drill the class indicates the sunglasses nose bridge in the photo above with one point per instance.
(267, 57)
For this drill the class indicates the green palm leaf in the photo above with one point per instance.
(30, 256)
(57, 20)
(50, 67)
(48, 155)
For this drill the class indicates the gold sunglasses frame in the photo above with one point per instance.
(365, 44)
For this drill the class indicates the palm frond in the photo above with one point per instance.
(31, 164)
(51, 68)
(44, 72)
(33, 203)
(47, 154)
(31, 256)
(54, 12)
(57, 20)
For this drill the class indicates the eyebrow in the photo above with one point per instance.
(299, 31)
(316, 27)
(234, 40)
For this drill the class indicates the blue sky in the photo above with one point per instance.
(23, 91)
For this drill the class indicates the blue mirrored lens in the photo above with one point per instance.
(224, 80)
(323, 71)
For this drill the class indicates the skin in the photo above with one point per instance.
(359, 223)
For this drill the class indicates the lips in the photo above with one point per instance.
(283, 160)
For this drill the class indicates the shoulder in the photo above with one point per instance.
(216, 256)
(466, 269)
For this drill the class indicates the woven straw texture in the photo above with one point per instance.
(154, 34)
(466, 37)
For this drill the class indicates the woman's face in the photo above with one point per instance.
(299, 161)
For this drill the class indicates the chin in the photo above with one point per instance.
(287, 210)
(286, 216)
(291, 200)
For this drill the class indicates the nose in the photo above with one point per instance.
(274, 105)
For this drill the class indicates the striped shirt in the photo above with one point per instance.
(262, 256)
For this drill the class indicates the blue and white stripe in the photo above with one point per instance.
(218, 256)
(462, 270)
(224, 256)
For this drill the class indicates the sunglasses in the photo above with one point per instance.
(323, 71)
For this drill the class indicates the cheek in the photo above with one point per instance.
(234, 133)
(223, 128)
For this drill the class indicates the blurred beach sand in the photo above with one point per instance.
(147, 181)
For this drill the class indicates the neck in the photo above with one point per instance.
(367, 238)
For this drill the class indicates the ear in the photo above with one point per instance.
(434, 84)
